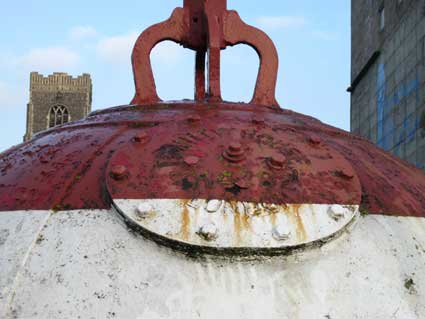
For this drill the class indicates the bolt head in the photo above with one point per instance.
(258, 122)
(194, 118)
(315, 140)
(234, 153)
(235, 147)
(208, 232)
(336, 212)
(345, 174)
(195, 203)
(141, 137)
(143, 210)
(281, 232)
(191, 160)
(242, 184)
(119, 172)
(214, 205)
(277, 161)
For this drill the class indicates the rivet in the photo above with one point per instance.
(141, 137)
(242, 184)
(119, 172)
(191, 160)
(214, 205)
(336, 212)
(258, 122)
(277, 161)
(195, 203)
(315, 140)
(344, 173)
(228, 210)
(194, 118)
(281, 232)
(240, 207)
(208, 232)
(143, 209)
(234, 153)
(235, 147)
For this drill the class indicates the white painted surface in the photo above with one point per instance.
(87, 264)
(19, 232)
(237, 224)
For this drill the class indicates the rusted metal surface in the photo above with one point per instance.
(206, 27)
(66, 167)
(205, 149)
(273, 165)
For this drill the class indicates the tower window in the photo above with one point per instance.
(58, 115)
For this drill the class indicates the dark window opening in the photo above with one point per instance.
(58, 115)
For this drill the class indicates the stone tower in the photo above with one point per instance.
(57, 99)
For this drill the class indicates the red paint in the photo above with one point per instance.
(119, 172)
(277, 161)
(243, 184)
(191, 160)
(141, 137)
(67, 167)
(205, 149)
(234, 153)
(205, 27)
(315, 140)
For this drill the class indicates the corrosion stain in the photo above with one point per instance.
(273, 219)
(245, 221)
(185, 221)
(301, 233)
(236, 223)
(240, 221)
(237, 228)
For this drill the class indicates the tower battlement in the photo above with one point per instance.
(60, 81)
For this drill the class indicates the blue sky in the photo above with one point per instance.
(96, 37)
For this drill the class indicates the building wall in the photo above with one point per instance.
(56, 89)
(388, 76)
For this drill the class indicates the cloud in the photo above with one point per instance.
(82, 32)
(281, 22)
(118, 49)
(167, 52)
(49, 59)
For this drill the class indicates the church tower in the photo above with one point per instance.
(57, 99)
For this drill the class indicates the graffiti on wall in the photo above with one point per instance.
(391, 135)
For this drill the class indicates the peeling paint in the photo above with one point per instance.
(250, 225)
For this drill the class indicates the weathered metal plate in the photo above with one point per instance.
(261, 165)
(235, 225)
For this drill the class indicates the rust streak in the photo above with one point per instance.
(236, 223)
(185, 221)
(273, 219)
(301, 233)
